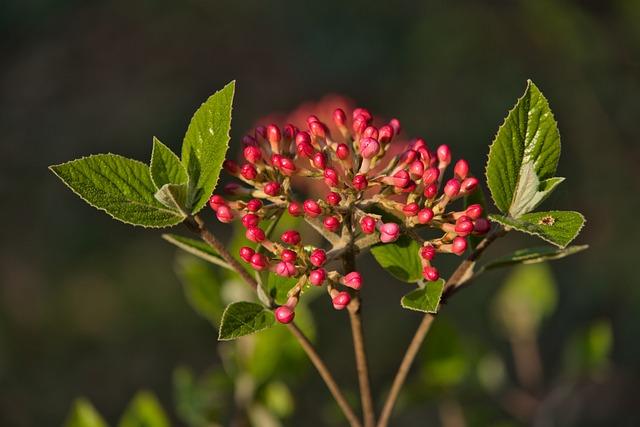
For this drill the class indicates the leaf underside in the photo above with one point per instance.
(400, 258)
(534, 255)
(425, 299)
(556, 227)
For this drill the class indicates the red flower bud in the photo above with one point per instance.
(428, 252)
(339, 117)
(224, 214)
(333, 198)
(430, 273)
(305, 149)
(367, 225)
(395, 124)
(230, 166)
(216, 201)
(360, 182)
(288, 255)
(287, 167)
(312, 208)
(401, 178)
(262, 131)
(317, 129)
(285, 269)
(361, 112)
(290, 237)
(250, 220)
(385, 134)
(431, 191)
(248, 171)
(312, 118)
(252, 154)
(289, 131)
(464, 227)
(419, 144)
(411, 209)
(474, 211)
(430, 176)
(444, 154)
(273, 134)
(284, 314)
(342, 151)
(410, 188)
(341, 300)
(389, 232)
(481, 226)
(331, 177)
(318, 257)
(452, 188)
(370, 132)
(461, 169)
(359, 125)
(425, 215)
(259, 261)
(416, 169)
(317, 277)
(352, 280)
(407, 157)
(275, 160)
(246, 253)
(331, 223)
(233, 188)
(469, 184)
(255, 234)
(272, 188)
(459, 245)
(319, 160)
(369, 147)
(295, 209)
(248, 140)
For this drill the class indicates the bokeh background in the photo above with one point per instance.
(91, 307)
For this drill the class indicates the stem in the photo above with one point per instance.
(457, 281)
(196, 224)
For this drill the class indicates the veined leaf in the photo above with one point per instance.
(277, 287)
(173, 196)
(533, 256)
(119, 186)
(144, 411)
(83, 414)
(557, 227)
(426, 298)
(524, 155)
(197, 248)
(165, 166)
(205, 145)
(244, 318)
(400, 258)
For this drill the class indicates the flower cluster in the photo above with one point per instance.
(363, 190)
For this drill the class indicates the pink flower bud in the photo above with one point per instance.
(276, 159)
(230, 166)
(318, 257)
(425, 215)
(284, 314)
(255, 234)
(290, 237)
(317, 277)
(389, 232)
(312, 208)
(339, 117)
(252, 154)
(273, 134)
(430, 176)
(331, 177)
(224, 214)
(427, 252)
(288, 255)
(248, 171)
(385, 134)
(452, 188)
(317, 129)
(352, 280)
(359, 125)
(258, 261)
(333, 198)
(461, 169)
(361, 112)
(430, 273)
(287, 167)
(411, 209)
(216, 201)
(431, 191)
(272, 188)
(444, 154)
(481, 226)
(341, 300)
(369, 147)
(319, 160)
(469, 184)
(474, 211)
(407, 157)
(416, 169)
(312, 118)
(410, 188)
(295, 209)
(289, 131)
(360, 182)
(342, 151)
(285, 269)
(331, 223)
(248, 140)
(246, 253)
(401, 178)
(233, 189)
(464, 226)
(262, 131)
(459, 245)
(419, 144)
(367, 225)
(250, 220)
(370, 132)
(395, 124)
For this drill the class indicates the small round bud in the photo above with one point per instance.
(288, 255)
(287, 167)
(289, 131)
(317, 129)
(284, 314)
(430, 273)
(318, 257)
(312, 208)
(317, 277)
(290, 237)
(331, 223)
(285, 269)
(295, 209)
(273, 133)
(401, 178)
(416, 169)
(275, 160)
(419, 144)
(255, 234)
(459, 245)
(339, 117)
(385, 134)
(331, 177)
(216, 201)
(408, 156)
(359, 125)
(464, 227)
(248, 171)
(319, 160)
(224, 214)
(262, 131)
(444, 154)
(231, 166)
(389, 232)
(427, 252)
(469, 184)
(361, 112)
(360, 182)
(425, 215)
(258, 261)
(333, 198)
(461, 169)
(430, 176)
(250, 220)
(252, 154)
(411, 209)
(369, 147)
(474, 211)
(246, 253)
(481, 226)
(341, 300)
(430, 191)
(312, 118)
(248, 140)
(342, 151)
(395, 124)
(370, 132)
(272, 188)
(352, 280)
(367, 225)
(452, 188)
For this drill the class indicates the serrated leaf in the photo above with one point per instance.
(119, 186)
(173, 196)
(197, 248)
(533, 256)
(165, 166)
(83, 414)
(426, 298)
(524, 155)
(557, 227)
(202, 287)
(244, 318)
(277, 287)
(400, 258)
(205, 145)
(144, 411)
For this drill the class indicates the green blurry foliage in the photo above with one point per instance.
(83, 414)
(144, 411)
(588, 351)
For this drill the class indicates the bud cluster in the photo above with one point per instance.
(361, 183)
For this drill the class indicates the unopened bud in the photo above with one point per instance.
(250, 220)
(360, 182)
(284, 314)
(425, 215)
(255, 234)
(342, 151)
(411, 209)
(469, 184)
(444, 154)
(258, 261)
(389, 232)
(319, 160)
(318, 257)
(295, 209)
(290, 237)
(341, 300)
(452, 188)
(481, 226)
(312, 208)
(430, 273)
(285, 269)
(272, 188)
(331, 223)
(461, 169)
(459, 245)
(252, 154)
(248, 171)
(317, 277)
(427, 252)
(231, 166)
(352, 280)
(331, 177)
(246, 253)
(333, 198)
(216, 201)
(288, 255)
(368, 225)
(369, 147)
(224, 214)
(474, 211)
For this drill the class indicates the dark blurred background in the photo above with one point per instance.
(90, 306)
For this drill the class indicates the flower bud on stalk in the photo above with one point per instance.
(255, 234)
(333, 198)
(317, 277)
(274, 137)
(290, 237)
(216, 201)
(352, 280)
(312, 208)
(331, 223)
(389, 232)
(285, 269)
(360, 182)
(430, 273)
(318, 257)
(295, 209)
(246, 253)
(368, 225)
(224, 214)
(258, 261)
(341, 300)
(284, 314)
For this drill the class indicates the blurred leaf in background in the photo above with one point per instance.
(144, 410)
(83, 414)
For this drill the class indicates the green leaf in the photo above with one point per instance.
(277, 287)
(205, 145)
(173, 196)
(83, 414)
(197, 248)
(557, 227)
(119, 186)
(533, 256)
(144, 411)
(589, 350)
(524, 155)
(244, 318)
(426, 298)
(400, 258)
(202, 287)
(165, 166)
